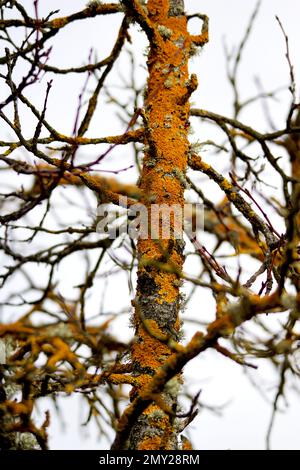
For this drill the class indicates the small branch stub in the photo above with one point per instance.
(191, 86)
(203, 37)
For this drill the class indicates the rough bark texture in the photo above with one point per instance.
(165, 160)
(11, 440)
(292, 143)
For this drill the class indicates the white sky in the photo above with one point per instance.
(245, 420)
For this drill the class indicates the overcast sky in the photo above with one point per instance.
(245, 419)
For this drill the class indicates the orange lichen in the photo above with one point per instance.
(18, 408)
(58, 23)
(118, 379)
(98, 182)
(62, 353)
(201, 39)
(148, 351)
(150, 443)
(15, 328)
(221, 302)
(186, 444)
(167, 291)
(232, 231)
(165, 160)
(154, 330)
(248, 307)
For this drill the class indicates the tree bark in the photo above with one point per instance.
(292, 144)
(157, 301)
(11, 440)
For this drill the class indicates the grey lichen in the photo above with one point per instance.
(177, 72)
(176, 7)
(165, 314)
(93, 3)
(63, 331)
(27, 441)
(2, 352)
(150, 163)
(195, 147)
(9, 390)
(180, 244)
(173, 387)
(194, 50)
(152, 198)
(169, 82)
(177, 282)
(179, 42)
(168, 121)
(289, 301)
(143, 430)
(181, 177)
(143, 4)
(165, 32)
(156, 414)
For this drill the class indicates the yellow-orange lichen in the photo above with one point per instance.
(186, 444)
(153, 329)
(148, 351)
(165, 160)
(150, 443)
(18, 408)
(62, 352)
(167, 291)
(16, 328)
(58, 23)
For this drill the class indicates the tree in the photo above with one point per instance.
(55, 344)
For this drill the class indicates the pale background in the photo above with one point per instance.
(244, 421)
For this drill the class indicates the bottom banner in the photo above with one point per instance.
(138, 459)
